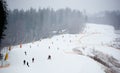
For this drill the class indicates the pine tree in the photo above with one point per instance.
(3, 18)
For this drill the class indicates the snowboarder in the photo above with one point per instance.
(24, 62)
(32, 60)
(25, 53)
(27, 64)
(49, 57)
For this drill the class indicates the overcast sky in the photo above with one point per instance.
(91, 6)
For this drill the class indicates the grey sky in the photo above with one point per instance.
(89, 5)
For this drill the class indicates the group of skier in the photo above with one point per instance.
(49, 56)
(26, 62)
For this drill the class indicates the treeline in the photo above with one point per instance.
(32, 25)
(107, 17)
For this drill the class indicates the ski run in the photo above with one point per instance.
(91, 51)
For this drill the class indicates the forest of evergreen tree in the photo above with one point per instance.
(32, 25)
(106, 17)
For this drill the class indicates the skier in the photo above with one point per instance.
(30, 46)
(27, 64)
(49, 47)
(49, 57)
(24, 62)
(52, 42)
(32, 60)
(25, 53)
(57, 48)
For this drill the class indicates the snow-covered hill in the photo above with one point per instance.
(87, 52)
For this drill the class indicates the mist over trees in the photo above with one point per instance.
(32, 25)
(106, 17)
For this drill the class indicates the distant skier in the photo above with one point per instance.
(49, 57)
(24, 62)
(25, 53)
(27, 64)
(40, 40)
(57, 48)
(52, 42)
(83, 48)
(30, 46)
(32, 60)
(49, 47)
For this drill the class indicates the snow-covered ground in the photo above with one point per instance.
(69, 53)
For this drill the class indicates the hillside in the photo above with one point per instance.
(91, 51)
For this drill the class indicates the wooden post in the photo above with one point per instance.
(20, 45)
(9, 48)
(6, 57)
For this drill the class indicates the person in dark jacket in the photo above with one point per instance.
(25, 53)
(27, 64)
(32, 60)
(49, 57)
(49, 47)
(24, 62)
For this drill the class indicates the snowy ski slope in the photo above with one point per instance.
(63, 57)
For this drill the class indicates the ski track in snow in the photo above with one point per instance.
(63, 59)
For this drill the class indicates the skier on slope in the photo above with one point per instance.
(32, 60)
(25, 53)
(24, 62)
(27, 64)
(30, 46)
(49, 47)
(49, 57)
